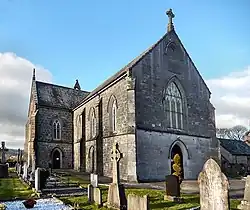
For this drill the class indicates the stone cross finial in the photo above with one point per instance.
(3, 149)
(116, 156)
(170, 15)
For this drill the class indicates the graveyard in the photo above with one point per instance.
(63, 189)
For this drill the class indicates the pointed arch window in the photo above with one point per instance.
(174, 106)
(114, 117)
(93, 125)
(56, 130)
(79, 127)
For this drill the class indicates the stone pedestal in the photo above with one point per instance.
(4, 171)
(116, 196)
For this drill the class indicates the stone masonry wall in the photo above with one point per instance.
(45, 141)
(125, 125)
(153, 73)
(170, 62)
(154, 159)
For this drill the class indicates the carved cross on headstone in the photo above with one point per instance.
(3, 150)
(170, 15)
(116, 157)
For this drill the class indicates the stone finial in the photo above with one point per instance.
(34, 74)
(77, 85)
(170, 15)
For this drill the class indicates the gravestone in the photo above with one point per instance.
(97, 196)
(116, 194)
(245, 203)
(213, 186)
(172, 188)
(94, 180)
(25, 171)
(90, 193)
(4, 171)
(37, 180)
(3, 150)
(3, 166)
(18, 155)
(136, 202)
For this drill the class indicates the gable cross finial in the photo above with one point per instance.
(34, 74)
(170, 15)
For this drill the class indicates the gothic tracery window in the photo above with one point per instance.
(56, 130)
(174, 105)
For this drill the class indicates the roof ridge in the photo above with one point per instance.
(60, 86)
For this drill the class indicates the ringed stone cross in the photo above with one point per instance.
(170, 15)
(116, 156)
(3, 149)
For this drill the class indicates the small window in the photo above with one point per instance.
(113, 117)
(93, 125)
(56, 130)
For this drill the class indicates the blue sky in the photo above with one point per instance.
(91, 40)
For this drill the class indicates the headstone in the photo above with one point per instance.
(4, 171)
(3, 150)
(25, 171)
(213, 187)
(136, 202)
(20, 169)
(18, 155)
(97, 196)
(94, 180)
(172, 189)
(116, 194)
(37, 180)
(245, 203)
(90, 193)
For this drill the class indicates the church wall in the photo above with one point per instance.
(125, 126)
(45, 151)
(153, 154)
(45, 141)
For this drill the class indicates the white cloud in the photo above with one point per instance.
(231, 98)
(15, 83)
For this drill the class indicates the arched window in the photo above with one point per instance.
(79, 126)
(56, 130)
(93, 124)
(113, 117)
(174, 106)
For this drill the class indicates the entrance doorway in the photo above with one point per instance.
(56, 159)
(176, 150)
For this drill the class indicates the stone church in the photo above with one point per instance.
(156, 106)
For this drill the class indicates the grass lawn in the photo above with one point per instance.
(13, 187)
(156, 200)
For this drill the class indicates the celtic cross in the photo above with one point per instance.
(116, 156)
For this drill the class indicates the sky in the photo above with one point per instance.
(67, 40)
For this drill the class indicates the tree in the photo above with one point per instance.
(237, 132)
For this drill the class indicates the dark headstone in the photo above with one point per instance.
(4, 171)
(172, 186)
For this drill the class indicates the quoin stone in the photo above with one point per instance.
(214, 187)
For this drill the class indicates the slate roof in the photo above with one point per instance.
(58, 96)
(235, 147)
